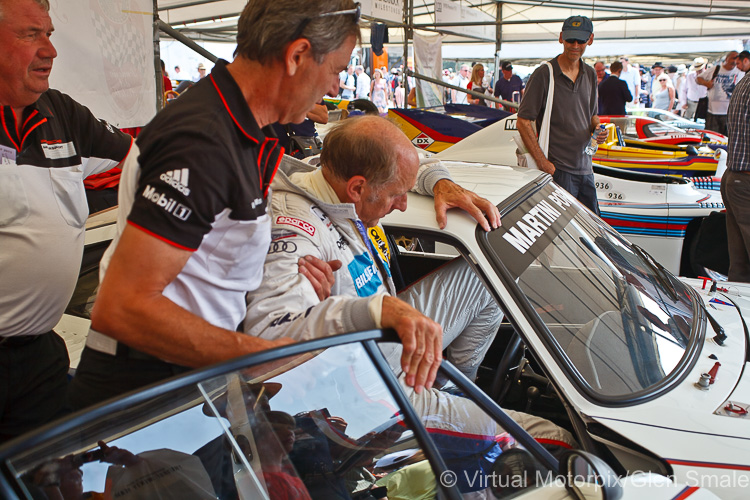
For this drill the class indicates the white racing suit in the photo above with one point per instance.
(285, 305)
(308, 220)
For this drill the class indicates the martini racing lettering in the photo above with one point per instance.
(168, 204)
(510, 124)
(298, 223)
(536, 221)
(529, 229)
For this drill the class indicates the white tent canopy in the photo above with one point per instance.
(511, 22)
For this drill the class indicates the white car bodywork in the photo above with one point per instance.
(651, 211)
(685, 426)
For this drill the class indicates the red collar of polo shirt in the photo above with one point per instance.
(33, 116)
(270, 152)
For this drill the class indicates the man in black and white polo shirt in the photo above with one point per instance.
(48, 144)
(196, 237)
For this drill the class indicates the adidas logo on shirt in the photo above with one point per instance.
(178, 179)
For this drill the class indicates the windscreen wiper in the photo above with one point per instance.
(659, 271)
(720, 336)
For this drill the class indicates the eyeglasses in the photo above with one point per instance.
(356, 12)
(576, 40)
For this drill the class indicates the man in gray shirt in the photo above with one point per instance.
(574, 113)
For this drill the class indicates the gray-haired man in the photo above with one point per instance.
(367, 167)
(48, 145)
(194, 242)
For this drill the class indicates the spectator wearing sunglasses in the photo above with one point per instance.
(574, 113)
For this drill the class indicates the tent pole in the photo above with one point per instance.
(498, 39)
(157, 60)
(408, 34)
(474, 93)
(185, 40)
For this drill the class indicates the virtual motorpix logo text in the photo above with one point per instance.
(477, 480)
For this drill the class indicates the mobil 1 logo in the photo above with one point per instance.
(167, 204)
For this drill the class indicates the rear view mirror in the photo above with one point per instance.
(589, 477)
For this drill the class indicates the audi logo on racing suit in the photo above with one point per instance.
(282, 246)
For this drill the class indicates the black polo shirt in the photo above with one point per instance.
(56, 132)
(203, 154)
(43, 205)
(201, 184)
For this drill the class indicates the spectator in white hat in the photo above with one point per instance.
(693, 91)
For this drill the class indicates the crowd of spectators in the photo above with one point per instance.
(679, 91)
(679, 88)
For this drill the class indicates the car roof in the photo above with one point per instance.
(497, 183)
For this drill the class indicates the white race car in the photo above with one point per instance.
(327, 419)
(646, 369)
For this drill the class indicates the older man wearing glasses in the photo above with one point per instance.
(462, 80)
(194, 227)
(574, 113)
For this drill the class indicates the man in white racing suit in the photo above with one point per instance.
(309, 219)
(332, 213)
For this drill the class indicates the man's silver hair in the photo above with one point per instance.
(363, 146)
(42, 3)
(266, 27)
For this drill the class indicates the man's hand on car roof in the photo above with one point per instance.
(448, 194)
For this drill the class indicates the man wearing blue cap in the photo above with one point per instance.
(574, 113)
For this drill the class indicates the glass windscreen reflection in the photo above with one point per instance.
(131, 453)
(327, 428)
(623, 322)
(320, 426)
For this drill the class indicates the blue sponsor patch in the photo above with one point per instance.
(365, 274)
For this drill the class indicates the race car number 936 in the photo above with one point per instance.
(602, 185)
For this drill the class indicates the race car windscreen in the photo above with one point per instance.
(621, 321)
